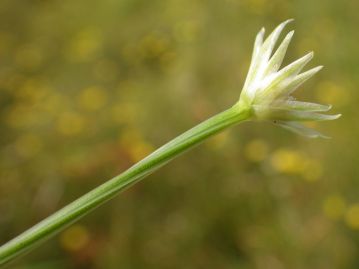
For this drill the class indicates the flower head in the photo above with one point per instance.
(268, 88)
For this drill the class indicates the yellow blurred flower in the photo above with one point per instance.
(257, 7)
(256, 150)
(128, 137)
(75, 238)
(288, 161)
(186, 31)
(218, 140)
(54, 103)
(85, 45)
(352, 216)
(313, 170)
(124, 113)
(135, 145)
(329, 92)
(139, 150)
(70, 123)
(295, 162)
(32, 90)
(92, 98)
(153, 45)
(334, 206)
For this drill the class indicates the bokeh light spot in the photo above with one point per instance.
(334, 206)
(135, 145)
(140, 150)
(330, 93)
(85, 45)
(186, 31)
(257, 7)
(92, 98)
(124, 113)
(217, 141)
(352, 216)
(153, 45)
(70, 123)
(256, 150)
(313, 170)
(288, 161)
(75, 238)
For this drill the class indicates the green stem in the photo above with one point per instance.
(80, 207)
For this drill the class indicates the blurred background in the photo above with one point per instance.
(87, 88)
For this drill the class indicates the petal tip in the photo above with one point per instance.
(261, 32)
(289, 35)
(337, 116)
(287, 21)
(332, 117)
(281, 26)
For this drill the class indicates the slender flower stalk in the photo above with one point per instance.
(82, 206)
(265, 96)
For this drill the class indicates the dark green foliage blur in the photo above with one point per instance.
(88, 88)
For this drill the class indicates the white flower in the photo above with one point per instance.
(267, 89)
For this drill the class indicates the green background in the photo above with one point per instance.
(87, 88)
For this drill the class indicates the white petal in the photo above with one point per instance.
(277, 59)
(270, 42)
(256, 50)
(300, 79)
(302, 106)
(260, 58)
(300, 129)
(295, 67)
(277, 84)
(258, 43)
(294, 115)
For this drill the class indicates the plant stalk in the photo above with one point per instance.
(82, 206)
